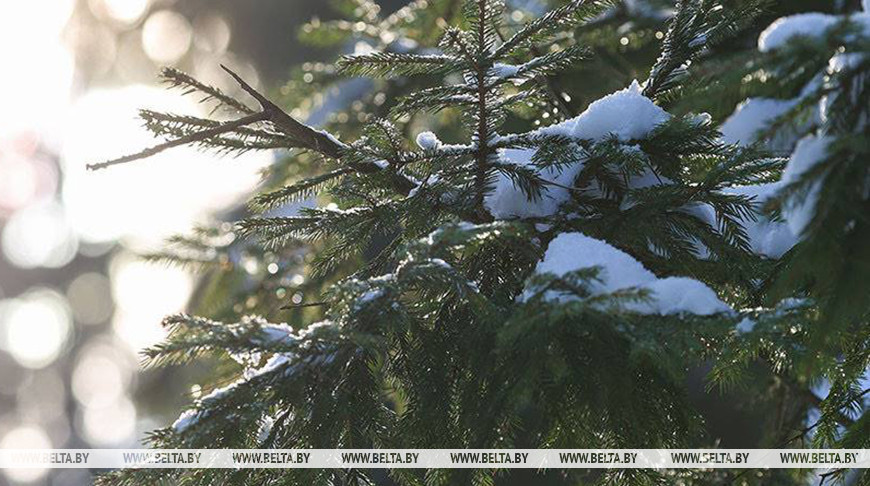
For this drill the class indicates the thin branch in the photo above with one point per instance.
(177, 78)
(556, 93)
(845, 421)
(824, 476)
(303, 305)
(315, 140)
(482, 155)
(841, 418)
(192, 138)
(301, 135)
(312, 139)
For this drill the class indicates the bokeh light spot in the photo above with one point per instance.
(127, 11)
(144, 294)
(36, 327)
(112, 425)
(166, 36)
(25, 437)
(211, 33)
(39, 236)
(98, 380)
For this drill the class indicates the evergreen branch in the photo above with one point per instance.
(548, 22)
(434, 99)
(554, 20)
(299, 136)
(179, 125)
(481, 26)
(241, 139)
(695, 26)
(190, 337)
(815, 400)
(456, 37)
(304, 305)
(554, 62)
(555, 93)
(177, 78)
(525, 96)
(484, 18)
(317, 140)
(278, 227)
(299, 190)
(192, 138)
(309, 138)
(383, 64)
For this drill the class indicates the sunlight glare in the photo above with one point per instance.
(37, 326)
(25, 437)
(148, 200)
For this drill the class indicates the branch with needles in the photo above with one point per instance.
(298, 135)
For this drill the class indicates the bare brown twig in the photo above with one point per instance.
(304, 305)
(823, 478)
(308, 137)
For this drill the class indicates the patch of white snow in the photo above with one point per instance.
(569, 252)
(753, 116)
(500, 70)
(810, 151)
(811, 24)
(626, 114)
(676, 295)
(745, 326)
(507, 201)
(428, 141)
(767, 237)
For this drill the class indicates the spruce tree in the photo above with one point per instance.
(504, 284)
(808, 100)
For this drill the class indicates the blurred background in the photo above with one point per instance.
(76, 304)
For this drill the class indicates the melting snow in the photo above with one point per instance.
(620, 271)
(806, 25)
(767, 237)
(753, 116)
(745, 326)
(809, 152)
(428, 141)
(504, 70)
(626, 114)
